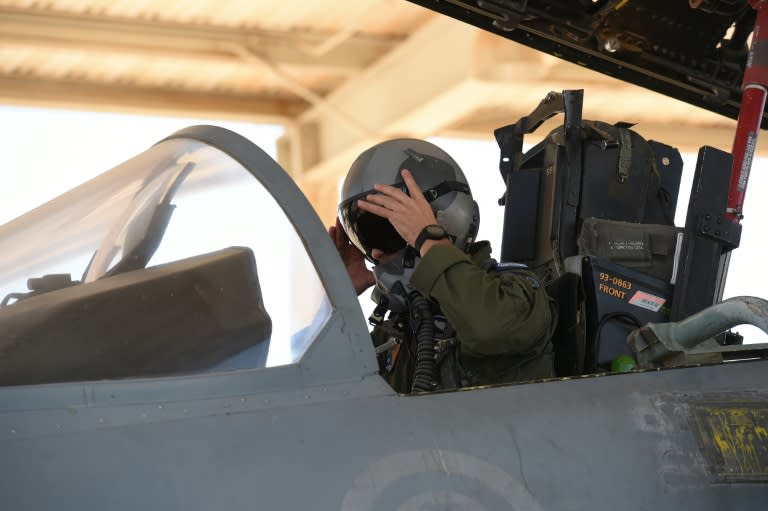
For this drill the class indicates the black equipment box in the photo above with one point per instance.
(583, 169)
(618, 300)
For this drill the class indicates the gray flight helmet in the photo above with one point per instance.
(443, 184)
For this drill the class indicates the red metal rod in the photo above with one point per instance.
(751, 112)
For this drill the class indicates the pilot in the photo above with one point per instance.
(456, 317)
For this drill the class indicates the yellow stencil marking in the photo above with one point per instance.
(738, 433)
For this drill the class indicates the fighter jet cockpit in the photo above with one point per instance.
(177, 261)
(181, 333)
(201, 256)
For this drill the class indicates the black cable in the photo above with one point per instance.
(423, 375)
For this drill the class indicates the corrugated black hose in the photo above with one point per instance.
(421, 318)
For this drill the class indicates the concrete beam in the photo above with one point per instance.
(47, 30)
(80, 95)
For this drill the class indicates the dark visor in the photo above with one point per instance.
(368, 231)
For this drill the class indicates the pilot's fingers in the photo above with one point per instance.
(386, 201)
(334, 232)
(391, 191)
(339, 235)
(370, 207)
(413, 187)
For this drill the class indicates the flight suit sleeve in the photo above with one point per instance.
(493, 312)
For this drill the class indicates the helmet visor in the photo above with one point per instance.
(368, 231)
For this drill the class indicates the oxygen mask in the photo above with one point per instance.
(392, 274)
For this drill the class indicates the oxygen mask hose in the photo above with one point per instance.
(421, 317)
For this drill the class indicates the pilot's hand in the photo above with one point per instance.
(354, 261)
(409, 213)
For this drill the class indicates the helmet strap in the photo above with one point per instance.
(431, 194)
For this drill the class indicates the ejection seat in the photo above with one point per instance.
(591, 209)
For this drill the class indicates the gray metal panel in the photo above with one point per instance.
(614, 442)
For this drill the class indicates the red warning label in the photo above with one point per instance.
(647, 301)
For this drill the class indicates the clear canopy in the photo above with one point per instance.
(179, 199)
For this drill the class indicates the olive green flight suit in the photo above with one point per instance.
(503, 320)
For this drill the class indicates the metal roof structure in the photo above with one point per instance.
(338, 76)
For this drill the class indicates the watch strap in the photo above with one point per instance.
(425, 235)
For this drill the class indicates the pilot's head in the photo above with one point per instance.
(445, 187)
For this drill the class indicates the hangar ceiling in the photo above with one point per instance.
(338, 79)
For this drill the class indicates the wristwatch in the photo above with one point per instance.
(430, 232)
